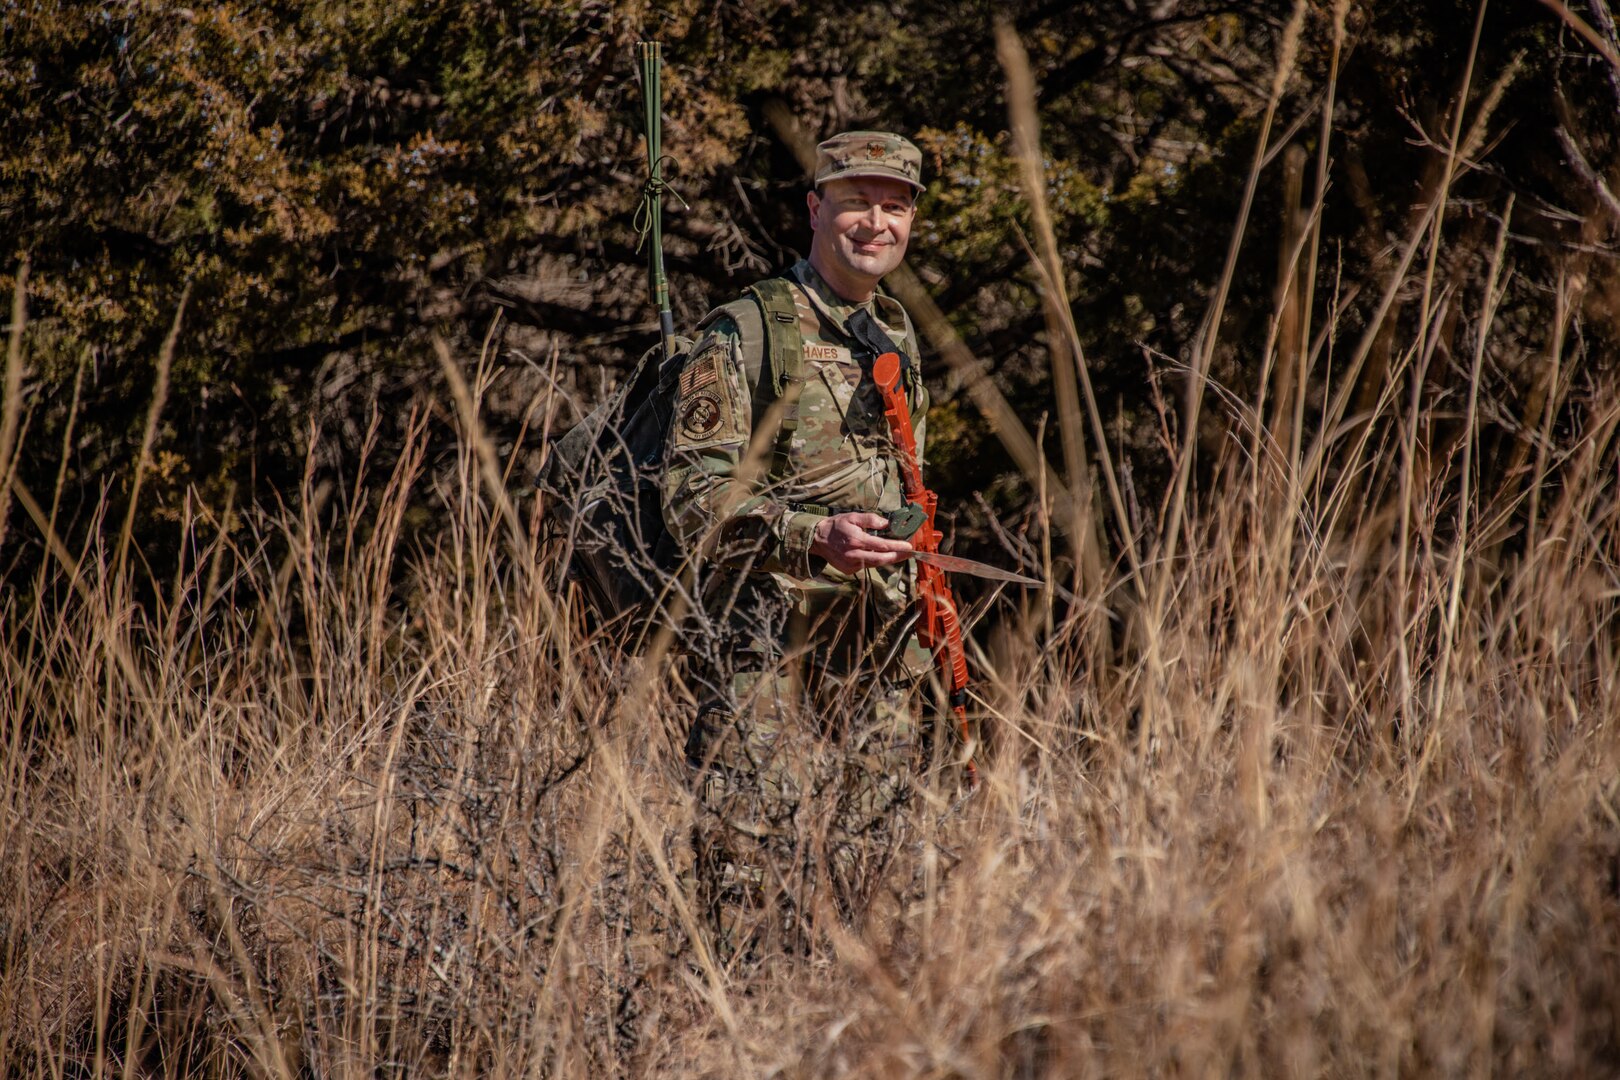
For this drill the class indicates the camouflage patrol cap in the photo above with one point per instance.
(869, 153)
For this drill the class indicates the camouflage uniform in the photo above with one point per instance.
(807, 695)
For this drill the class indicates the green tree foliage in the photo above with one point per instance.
(330, 179)
(334, 181)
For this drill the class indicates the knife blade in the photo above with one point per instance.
(958, 565)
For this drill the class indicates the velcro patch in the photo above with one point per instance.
(702, 414)
(705, 411)
(700, 372)
(821, 353)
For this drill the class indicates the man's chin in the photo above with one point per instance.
(873, 265)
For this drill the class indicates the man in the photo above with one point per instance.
(808, 663)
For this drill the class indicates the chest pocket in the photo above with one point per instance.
(859, 405)
(840, 431)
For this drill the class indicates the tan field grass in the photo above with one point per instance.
(283, 824)
(1325, 783)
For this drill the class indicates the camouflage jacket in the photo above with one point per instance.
(839, 456)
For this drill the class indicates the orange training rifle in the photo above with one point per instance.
(937, 626)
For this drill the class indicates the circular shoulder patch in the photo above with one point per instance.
(700, 414)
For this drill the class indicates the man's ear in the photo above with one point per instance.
(813, 201)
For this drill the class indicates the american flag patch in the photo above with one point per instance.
(702, 372)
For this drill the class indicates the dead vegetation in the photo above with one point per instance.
(1319, 780)
(1326, 812)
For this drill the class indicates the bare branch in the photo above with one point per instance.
(1584, 170)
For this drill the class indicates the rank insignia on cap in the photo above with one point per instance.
(869, 153)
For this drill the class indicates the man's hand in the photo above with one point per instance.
(844, 541)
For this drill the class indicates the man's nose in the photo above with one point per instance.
(875, 219)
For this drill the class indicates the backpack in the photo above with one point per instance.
(603, 478)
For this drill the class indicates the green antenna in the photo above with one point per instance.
(652, 62)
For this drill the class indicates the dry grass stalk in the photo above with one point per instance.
(11, 402)
(1064, 339)
(160, 394)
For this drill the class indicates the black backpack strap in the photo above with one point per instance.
(865, 329)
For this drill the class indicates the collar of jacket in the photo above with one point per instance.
(837, 310)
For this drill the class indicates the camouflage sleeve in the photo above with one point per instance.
(710, 505)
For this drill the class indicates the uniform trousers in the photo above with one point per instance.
(806, 753)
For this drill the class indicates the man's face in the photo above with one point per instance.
(861, 227)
